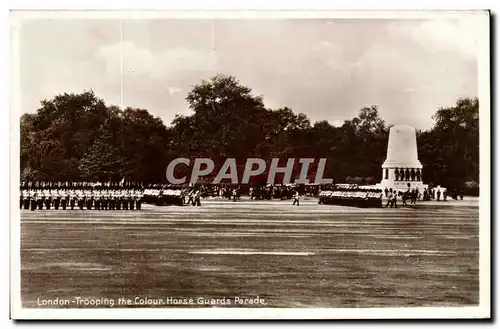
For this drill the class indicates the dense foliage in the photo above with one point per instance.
(75, 137)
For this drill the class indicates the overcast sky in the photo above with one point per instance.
(328, 69)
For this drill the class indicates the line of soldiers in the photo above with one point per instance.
(97, 199)
(354, 197)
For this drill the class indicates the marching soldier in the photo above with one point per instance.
(88, 199)
(47, 197)
(191, 197)
(111, 200)
(57, 199)
(21, 199)
(64, 199)
(101, 199)
(97, 199)
(105, 199)
(125, 199)
(118, 201)
(72, 199)
(27, 199)
(40, 199)
(296, 198)
(132, 199)
(34, 199)
(197, 198)
(138, 199)
(81, 199)
(389, 199)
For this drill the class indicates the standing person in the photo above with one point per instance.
(47, 198)
(111, 200)
(64, 199)
(81, 199)
(34, 199)
(389, 199)
(21, 199)
(26, 199)
(125, 201)
(97, 199)
(414, 196)
(57, 199)
(197, 198)
(105, 199)
(40, 199)
(394, 199)
(296, 198)
(118, 200)
(138, 200)
(132, 198)
(445, 195)
(235, 194)
(386, 192)
(438, 194)
(72, 199)
(406, 196)
(89, 197)
(191, 197)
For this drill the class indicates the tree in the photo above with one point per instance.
(75, 136)
(227, 120)
(449, 151)
(102, 162)
(361, 146)
(144, 144)
(55, 138)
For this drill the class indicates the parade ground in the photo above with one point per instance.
(307, 256)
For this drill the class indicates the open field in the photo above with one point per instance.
(308, 256)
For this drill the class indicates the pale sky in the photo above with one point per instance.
(326, 68)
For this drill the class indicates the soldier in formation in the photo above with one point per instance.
(40, 196)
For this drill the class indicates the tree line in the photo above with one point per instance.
(75, 137)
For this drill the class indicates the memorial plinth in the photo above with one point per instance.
(402, 169)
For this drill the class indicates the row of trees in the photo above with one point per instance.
(75, 137)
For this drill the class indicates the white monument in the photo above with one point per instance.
(402, 169)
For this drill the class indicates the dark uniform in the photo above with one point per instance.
(27, 199)
(131, 199)
(296, 199)
(97, 199)
(125, 199)
(40, 200)
(81, 199)
(47, 196)
(57, 199)
(89, 199)
(34, 199)
(118, 200)
(105, 200)
(64, 199)
(197, 198)
(138, 199)
(72, 199)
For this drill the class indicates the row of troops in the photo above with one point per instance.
(81, 199)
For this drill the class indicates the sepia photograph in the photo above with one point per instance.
(250, 164)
